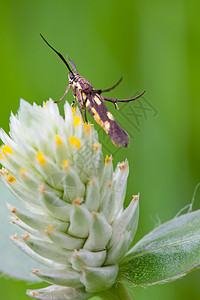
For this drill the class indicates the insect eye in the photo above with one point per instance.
(71, 76)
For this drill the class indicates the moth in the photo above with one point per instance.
(92, 100)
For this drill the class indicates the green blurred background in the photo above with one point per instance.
(154, 45)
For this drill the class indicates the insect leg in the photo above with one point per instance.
(102, 91)
(116, 106)
(67, 90)
(114, 100)
(107, 90)
(85, 114)
(74, 101)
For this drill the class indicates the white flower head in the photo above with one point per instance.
(74, 218)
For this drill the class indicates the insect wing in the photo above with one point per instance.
(98, 110)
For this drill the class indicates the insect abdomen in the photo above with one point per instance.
(105, 119)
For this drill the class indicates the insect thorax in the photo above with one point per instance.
(78, 86)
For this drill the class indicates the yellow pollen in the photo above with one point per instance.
(7, 175)
(4, 172)
(51, 227)
(76, 121)
(6, 149)
(41, 158)
(77, 201)
(73, 110)
(35, 271)
(91, 181)
(123, 166)
(109, 185)
(58, 140)
(47, 232)
(26, 236)
(96, 146)
(15, 236)
(95, 216)
(11, 179)
(13, 210)
(86, 127)
(74, 141)
(44, 104)
(65, 164)
(22, 172)
(107, 159)
(41, 189)
(135, 198)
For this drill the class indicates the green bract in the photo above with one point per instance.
(168, 252)
(74, 219)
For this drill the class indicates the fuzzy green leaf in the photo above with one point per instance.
(167, 253)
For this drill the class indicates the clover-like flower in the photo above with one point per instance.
(74, 220)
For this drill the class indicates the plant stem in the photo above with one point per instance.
(117, 292)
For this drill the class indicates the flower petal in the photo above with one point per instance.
(12, 261)
(55, 292)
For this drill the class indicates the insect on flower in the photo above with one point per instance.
(92, 100)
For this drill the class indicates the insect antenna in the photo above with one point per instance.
(59, 54)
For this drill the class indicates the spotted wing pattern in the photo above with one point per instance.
(98, 110)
